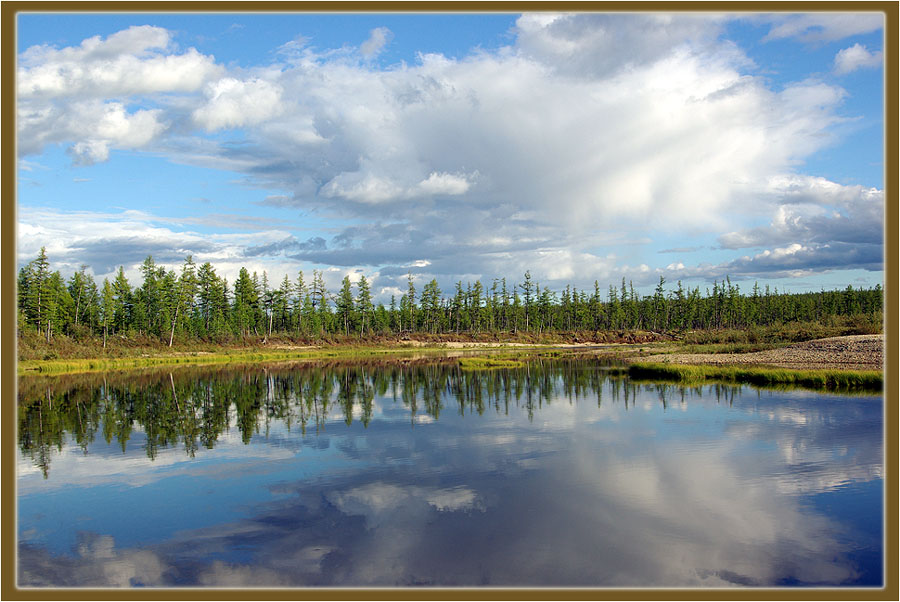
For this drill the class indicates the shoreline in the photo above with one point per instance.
(852, 352)
(847, 353)
(400, 352)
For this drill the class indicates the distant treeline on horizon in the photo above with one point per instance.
(197, 303)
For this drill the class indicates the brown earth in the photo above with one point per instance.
(857, 352)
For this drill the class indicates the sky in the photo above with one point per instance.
(578, 147)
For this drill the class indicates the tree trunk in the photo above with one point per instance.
(172, 334)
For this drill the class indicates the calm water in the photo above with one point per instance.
(353, 475)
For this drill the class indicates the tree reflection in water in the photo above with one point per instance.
(193, 406)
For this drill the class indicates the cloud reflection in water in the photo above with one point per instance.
(713, 494)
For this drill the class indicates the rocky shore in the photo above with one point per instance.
(858, 352)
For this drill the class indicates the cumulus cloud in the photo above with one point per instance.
(816, 210)
(72, 94)
(573, 152)
(137, 60)
(819, 225)
(856, 57)
(233, 103)
(94, 125)
(585, 124)
(601, 44)
(372, 189)
(88, 152)
(792, 260)
(362, 188)
(802, 260)
(443, 183)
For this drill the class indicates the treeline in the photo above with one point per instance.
(196, 303)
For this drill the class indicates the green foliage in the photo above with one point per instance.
(344, 305)
(196, 304)
(815, 379)
(481, 363)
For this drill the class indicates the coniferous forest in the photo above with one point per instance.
(195, 303)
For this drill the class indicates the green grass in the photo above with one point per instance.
(850, 380)
(71, 366)
(142, 357)
(481, 363)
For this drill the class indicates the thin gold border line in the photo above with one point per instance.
(8, 262)
(443, 6)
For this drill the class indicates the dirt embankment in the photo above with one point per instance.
(858, 352)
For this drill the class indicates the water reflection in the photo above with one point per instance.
(193, 407)
(346, 475)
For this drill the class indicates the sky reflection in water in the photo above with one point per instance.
(546, 476)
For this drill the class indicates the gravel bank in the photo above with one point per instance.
(858, 352)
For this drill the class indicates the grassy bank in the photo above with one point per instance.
(68, 355)
(33, 347)
(482, 363)
(849, 380)
(71, 366)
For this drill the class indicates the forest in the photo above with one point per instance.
(195, 303)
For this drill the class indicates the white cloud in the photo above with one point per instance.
(856, 57)
(443, 183)
(379, 502)
(88, 152)
(112, 122)
(525, 157)
(823, 26)
(362, 188)
(93, 125)
(105, 241)
(601, 44)
(76, 94)
(378, 39)
(133, 61)
(811, 189)
(815, 210)
(234, 103)
(366, 187)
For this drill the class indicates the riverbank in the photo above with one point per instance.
(66, 355)
(835, 363)
(836, 380)
(496, 354)
(858, 352)
(31, 345)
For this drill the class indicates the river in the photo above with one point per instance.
(557, 473)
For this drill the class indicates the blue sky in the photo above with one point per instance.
(580, 147)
